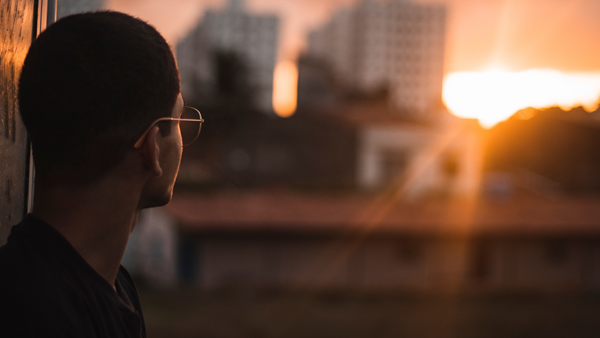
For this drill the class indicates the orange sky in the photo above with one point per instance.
(512, 34)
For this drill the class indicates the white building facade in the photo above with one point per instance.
(398, 45)
(421, 161)
(417, 56)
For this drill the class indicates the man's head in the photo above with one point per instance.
(90, 86)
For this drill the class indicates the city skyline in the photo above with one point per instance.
(508, 34)
(483, 39)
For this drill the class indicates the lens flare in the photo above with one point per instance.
(494, 96)
(285, 89)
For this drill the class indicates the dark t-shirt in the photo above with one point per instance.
(48, 290)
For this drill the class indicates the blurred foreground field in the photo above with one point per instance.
(252, 314)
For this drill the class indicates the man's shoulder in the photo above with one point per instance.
(37, 288)
(30, 257)
(33, 295)
(32, 309)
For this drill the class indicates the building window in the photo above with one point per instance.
(394, 163)
(480, 267)
(188, 261)
(556, 253)
(409, 252)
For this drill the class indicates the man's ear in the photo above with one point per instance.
(151, 151)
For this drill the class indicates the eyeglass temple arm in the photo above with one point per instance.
(141, 139)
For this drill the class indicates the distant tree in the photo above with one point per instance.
(228, 99)
(235, 92)
(563, 146)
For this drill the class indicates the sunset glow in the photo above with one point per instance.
(495, 95)
(285, 87)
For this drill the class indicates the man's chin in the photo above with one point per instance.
(158, 201)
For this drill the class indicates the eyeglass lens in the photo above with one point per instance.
(190, 129)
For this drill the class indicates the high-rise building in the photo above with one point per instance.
(417, 41)
(334, 43)
(193, 61)
(252, 37)
(372, 49)
(398, 45)
(68, 7)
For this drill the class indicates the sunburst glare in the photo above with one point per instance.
(495, 95)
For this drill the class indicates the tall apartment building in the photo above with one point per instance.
(68, 7)
(252, 37)
(372, 47)
(193, 61)
(398, 45)
(334, 43)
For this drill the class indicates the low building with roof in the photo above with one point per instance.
(291, 241)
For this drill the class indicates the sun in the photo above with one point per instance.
(495, 95)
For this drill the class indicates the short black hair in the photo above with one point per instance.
(90, 86)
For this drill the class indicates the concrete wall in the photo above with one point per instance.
(16, 34)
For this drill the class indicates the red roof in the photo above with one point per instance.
(285, 212)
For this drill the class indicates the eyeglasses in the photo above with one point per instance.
(190, 123)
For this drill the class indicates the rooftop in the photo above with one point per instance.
(267, 212)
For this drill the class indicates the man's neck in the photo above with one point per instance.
(96, 220)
